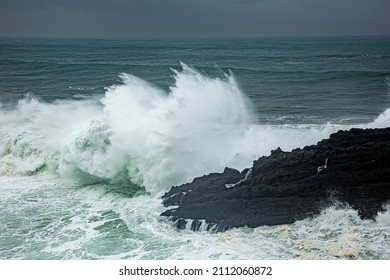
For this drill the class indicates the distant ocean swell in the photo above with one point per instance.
(146, 137)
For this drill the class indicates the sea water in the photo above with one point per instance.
(93, 132)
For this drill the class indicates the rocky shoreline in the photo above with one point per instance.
(352, 167)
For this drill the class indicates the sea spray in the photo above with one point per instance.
(33, 135)
(382, 121)
(163, 138)
(144, 135)
(64, 138)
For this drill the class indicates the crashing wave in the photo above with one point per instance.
(154, 138)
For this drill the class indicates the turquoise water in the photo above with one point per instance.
(93, 132)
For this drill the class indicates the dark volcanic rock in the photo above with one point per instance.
(351, 166)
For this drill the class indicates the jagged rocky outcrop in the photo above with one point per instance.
(351, 166)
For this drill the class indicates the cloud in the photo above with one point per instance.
(139, 18)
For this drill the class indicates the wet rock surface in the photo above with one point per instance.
(352, 167)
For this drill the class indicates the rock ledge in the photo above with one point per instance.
(351, 166)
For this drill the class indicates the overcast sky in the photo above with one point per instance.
(193, 18)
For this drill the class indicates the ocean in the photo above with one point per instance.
(94, 132)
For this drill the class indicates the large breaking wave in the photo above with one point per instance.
(145, 135)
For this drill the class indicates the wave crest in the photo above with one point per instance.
(151, 137)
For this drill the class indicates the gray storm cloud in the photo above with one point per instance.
(200, 18)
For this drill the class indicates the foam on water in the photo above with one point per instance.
(67, 221)
(138, 134)
(145, 135)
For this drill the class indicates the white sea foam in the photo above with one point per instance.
(44, 217)
(382, 121)
(153, 138)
